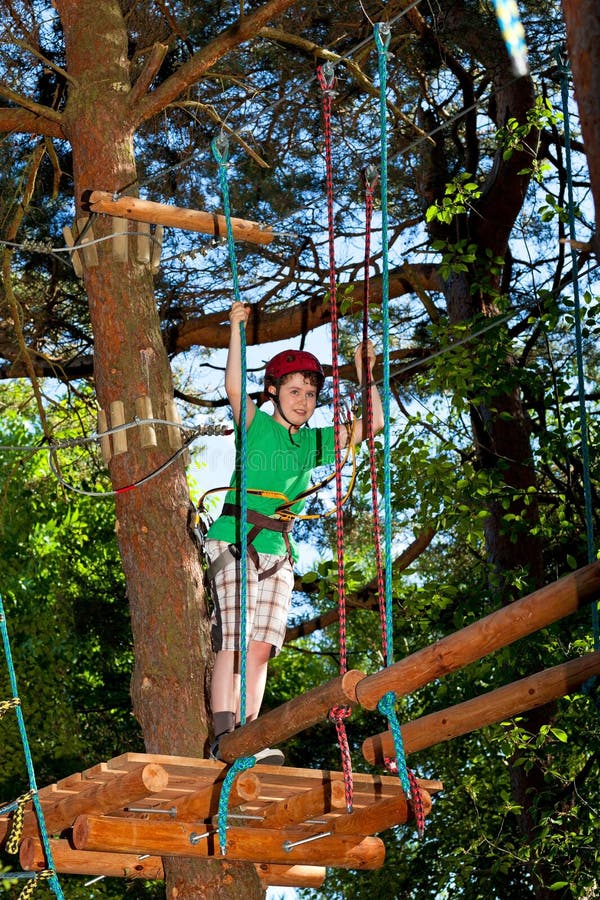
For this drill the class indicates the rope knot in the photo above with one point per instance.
(339, 713)
(326, 77)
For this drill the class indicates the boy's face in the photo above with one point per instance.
(297, 398)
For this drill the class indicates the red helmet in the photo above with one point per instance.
(289, 361)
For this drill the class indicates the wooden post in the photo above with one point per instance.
(85, 240)
(498, 629)
(291, 718)
(127, 865)
(177, 217)
(120, 241)
(117, 417)
(143, 410)
(104, 441)
(69, 241)
(100, 798)
(143, 243)
(246, 844)
(495, 706)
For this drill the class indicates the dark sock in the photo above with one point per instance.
(223, 723)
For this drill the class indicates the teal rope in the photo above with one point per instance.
(387, 706)
(240, 765)
(382, 41)
(52, 880)
(585, 452)
(387, 703)
(220, 148)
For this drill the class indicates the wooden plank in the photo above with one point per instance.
(307, 805)
(289, 719)
(68, 861)
(498, 629)
(245, 844)
(204, 803)
(495, 706)
(120, 791)
(178, 217)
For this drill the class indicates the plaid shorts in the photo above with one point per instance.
(267, 601)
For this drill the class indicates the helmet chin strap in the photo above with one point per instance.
(275, 398)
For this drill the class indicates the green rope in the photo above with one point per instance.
(220, 148)
(585, 453)
(240, 765)
(382, 40)
(32, 793)
(382, 36)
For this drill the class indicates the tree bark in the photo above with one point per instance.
(582, 18)
(161, 565)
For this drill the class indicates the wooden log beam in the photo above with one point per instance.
(97, 799)
(291, 876)
(495, 706)
(112, 834)
(126, 865)
(68, 861)
(379, 816)
(294, 716)
(177, 217)
(307, 805)
(498, 629)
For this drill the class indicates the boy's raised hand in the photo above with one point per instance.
(239, 313)
(358, 358)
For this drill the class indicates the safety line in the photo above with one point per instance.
(52, 878)
(338, 714)
(386, 705)
(583, 419)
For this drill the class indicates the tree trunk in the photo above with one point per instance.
(582, 18)
(161, 565)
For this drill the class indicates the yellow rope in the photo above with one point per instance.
(16, 827)
(31, 885)
(5, 705)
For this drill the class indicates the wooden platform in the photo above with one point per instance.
(120, 817)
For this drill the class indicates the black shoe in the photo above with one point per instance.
(266, 757)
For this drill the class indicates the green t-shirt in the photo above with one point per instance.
(274, 463)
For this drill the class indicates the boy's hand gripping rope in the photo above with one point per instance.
(326, 78)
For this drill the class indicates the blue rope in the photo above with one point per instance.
(387, 703)
(52, 880)
(382, 41)
(387, 706)
(240, 765)
(583, 422)
(220, 148)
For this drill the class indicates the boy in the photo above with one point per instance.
(280, 457)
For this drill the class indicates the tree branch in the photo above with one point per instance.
(191, 71)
